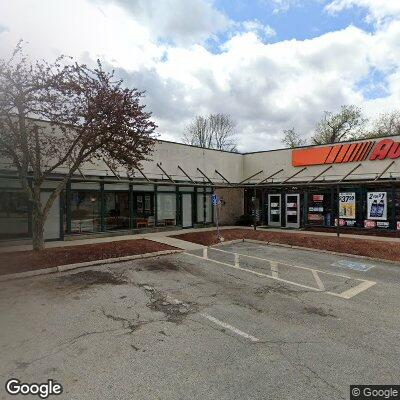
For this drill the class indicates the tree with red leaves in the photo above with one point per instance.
(55, 117)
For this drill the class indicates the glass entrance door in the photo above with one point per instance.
(293, 210)
(274, 209)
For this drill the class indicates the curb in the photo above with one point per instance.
(308, 249)
(68, 267)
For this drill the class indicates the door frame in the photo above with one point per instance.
(269, 210)
(292, 224)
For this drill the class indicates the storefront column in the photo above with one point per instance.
(130, 205)
(68, 208)
(333, 211)
(212, 207)
(102, 207)
(194, 207)
(393, 222)
(155, 206)
(337, 211)
(178, 215)
(204, 206)
(305, 207)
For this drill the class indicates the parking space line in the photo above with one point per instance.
(230, 327)
(289, 265)
(348, 294)
(274, 269)
(318, 280)
(257, 273)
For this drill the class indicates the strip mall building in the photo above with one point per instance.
(355, 185)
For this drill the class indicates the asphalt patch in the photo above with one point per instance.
(158, 265)
(318, 311)
(174, 310)
(89, 278)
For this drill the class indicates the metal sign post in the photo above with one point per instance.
(216, 202)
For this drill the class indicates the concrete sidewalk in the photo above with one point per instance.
(333, 234)
(161, 237)
(165, 237)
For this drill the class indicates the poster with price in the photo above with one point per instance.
(347, 205)
(377, 205)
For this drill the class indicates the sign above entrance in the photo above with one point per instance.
(346, 152)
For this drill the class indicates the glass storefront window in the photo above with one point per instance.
(379, 204)
(14, 215)
(319, 208)
(143, 210)
(117, 210)
(85, 211)
(200, 207)
(166, 209)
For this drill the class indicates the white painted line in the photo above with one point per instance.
(257, 273)
(230, 327)
(294, 266)
(274, 269)
(318, 280)
(345, 295)
(348, 294)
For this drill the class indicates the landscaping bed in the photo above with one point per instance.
(363, 247)
(21, 261)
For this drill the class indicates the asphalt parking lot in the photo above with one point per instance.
(247, 322)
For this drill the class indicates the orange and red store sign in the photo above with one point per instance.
(346, 152)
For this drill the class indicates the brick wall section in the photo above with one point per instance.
(232, 205)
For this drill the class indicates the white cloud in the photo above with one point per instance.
(266, 87)
(258, 28)
(280, 6)
(379, 11)
(182, 21)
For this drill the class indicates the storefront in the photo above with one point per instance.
(353, 186)
(350, 186)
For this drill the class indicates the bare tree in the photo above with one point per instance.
(293, 139)
(347, 124)
(222, 130)
(89, 116)
(387, 124)
(197, 133)
(216, 131)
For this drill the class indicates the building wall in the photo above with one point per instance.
(272, 161)
(232, 205)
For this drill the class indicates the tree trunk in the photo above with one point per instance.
(38, 220)
(37, 230)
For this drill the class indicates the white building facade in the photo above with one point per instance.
(354, 185)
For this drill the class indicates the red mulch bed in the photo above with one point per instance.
(363, 247)
(21, 261)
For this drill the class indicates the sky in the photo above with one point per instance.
(271, 64)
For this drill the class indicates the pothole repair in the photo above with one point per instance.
(89, 278)
(173, 309)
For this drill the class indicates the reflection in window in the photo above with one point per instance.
(143, 212)
(117, 210)
(166, 209)
(85, 211)
(13, 215)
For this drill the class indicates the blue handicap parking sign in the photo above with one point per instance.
(214, 199)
